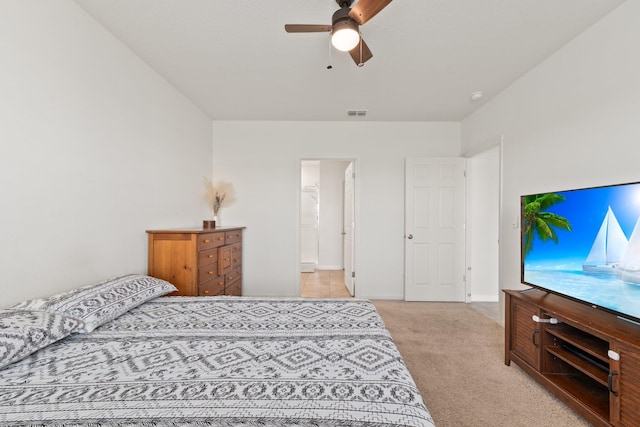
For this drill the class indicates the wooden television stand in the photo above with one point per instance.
(590, 358)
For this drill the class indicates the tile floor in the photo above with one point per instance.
(489, 309)
(323, 284)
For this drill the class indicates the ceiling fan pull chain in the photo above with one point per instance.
(330, 55)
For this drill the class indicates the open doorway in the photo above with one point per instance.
(326, 228)
(483, 228)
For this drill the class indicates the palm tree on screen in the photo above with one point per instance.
(540, 222)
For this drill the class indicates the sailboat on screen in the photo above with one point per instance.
(629, 269)
(608, 248)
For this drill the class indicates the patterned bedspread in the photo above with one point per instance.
(220, 361)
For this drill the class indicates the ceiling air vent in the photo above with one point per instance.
(356, 113)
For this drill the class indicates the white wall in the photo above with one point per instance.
(570, 122)
(262, 160)
(95, 148)
(331, 189)
(309, 174)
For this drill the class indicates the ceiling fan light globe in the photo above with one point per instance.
(345, 38)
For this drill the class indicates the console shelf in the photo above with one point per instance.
(590, 359)
(594, 346)
(581, 364)
(583, 391)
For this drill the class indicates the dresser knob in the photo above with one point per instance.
(209, 256)
(209, 272)
(206, 292)
(206, 240)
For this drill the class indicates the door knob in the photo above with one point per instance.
(410, 236)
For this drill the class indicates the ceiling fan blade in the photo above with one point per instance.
(361, 53)
(367, 9)
(304, 28)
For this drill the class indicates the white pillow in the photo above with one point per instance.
(99, 303)
(25, 332)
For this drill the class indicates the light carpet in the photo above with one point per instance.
(456, 356)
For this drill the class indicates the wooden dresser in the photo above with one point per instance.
(198, 262)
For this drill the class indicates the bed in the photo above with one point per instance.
(201, 361)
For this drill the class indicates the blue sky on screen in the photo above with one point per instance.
(585, 209)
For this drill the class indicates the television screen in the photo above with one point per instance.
(585, 244)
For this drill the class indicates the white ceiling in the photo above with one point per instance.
(235, 61)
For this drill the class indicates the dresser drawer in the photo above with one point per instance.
(234, 289)
(207, 273)
(236, 254)
(207, 257)
(233, 275)
(224, 259)
(212, 288)
(232, 236)
(210, 240)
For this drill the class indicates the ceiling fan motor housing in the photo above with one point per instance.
(344, 3)
(342, 19)
(341, 14)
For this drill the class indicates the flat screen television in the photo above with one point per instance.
(585, 244)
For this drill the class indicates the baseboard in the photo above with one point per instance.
(383, 297)
(329, 267)
(307, 267)
(484, 298)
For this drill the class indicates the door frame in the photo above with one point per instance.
(350, 282)
(356, 203)
(490, 144)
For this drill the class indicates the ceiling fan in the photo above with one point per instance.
(344, 28)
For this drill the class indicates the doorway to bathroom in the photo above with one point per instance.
(327, 228)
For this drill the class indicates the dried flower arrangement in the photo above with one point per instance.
(218, 195)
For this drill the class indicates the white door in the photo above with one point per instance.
(349, 227)
(434, 227)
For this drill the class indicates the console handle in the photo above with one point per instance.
(551, 320)
(610, 382)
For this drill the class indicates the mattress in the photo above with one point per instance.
(220, 361)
